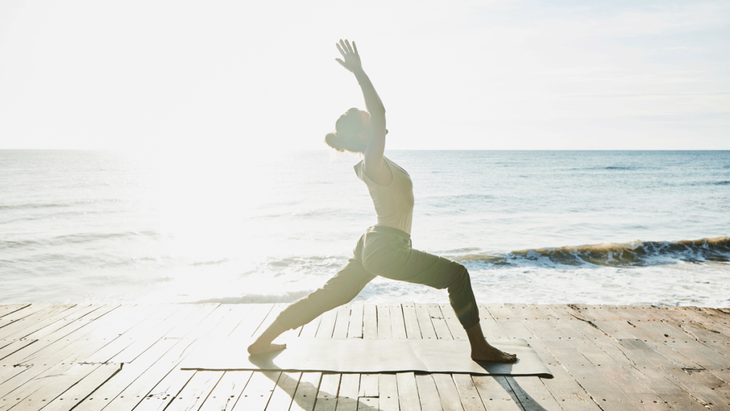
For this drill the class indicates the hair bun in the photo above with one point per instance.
(332, 140)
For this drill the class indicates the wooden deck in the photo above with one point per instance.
(94, 357)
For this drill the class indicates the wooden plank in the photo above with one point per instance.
(199, 313)
(50, 317)
(327, 393)
(258, 391)
(310, 329)
(455, 328)
(467, 392)
(58, 336)
(196, 391)
(131, 385)
(126, 346)
(133, 322)
(447, 391)
(438, 321)
(49, 385)
(146, 371)
(410, 318)
(470, 398)
(306, 392)
(306, 395)
(694, 328)
(46, 362)
(448, 394)
(255, 322)
(11, 308)
(388, 392)
(55, 341)
(282, 397)
(424, 322)
(217, 324)
(165, 391)
(369, 389)
(712, 316)
(505, 397)
(13, 347)
(75, 321)
(224, 321)
(343, 322)
(678, 340)
(356, 315)
(143, 338)
(620, 328)
(612, 388)
(327, 325)
(83, 389)
(496, 393)
(397, 322)
(13, 376)
(384, 323)
(670, 382)
(226, 393)
(490, 319)
(370, 322)
(656, 357)
(708, 319)
(463, 383)
(27, 316)
(404, 324)
(368, 393)
(557, 393)
(428, 393)
(347, 397)
(407, 392)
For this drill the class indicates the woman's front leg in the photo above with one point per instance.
(339, 290)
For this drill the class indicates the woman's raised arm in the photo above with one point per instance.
(373, 163)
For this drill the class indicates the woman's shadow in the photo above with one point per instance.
(291, 386)
(334, 401)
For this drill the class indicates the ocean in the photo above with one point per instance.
(538, 227)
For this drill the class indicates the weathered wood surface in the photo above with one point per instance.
(111, 357)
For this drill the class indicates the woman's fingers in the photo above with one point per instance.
(345, 48)
(340, 50)
(354, 46)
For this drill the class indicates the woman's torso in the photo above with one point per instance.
(393, 202)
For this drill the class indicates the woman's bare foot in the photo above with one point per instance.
(481, 350)
(258, 348)
(263, 342)
(491, 354)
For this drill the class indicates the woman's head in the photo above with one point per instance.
(351, 132)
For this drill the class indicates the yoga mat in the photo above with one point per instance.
(355, 355)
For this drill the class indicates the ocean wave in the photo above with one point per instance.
(66, 204)
(284, 297)
(620, 168)
(637, 253)
(211, 262)
(76, 238)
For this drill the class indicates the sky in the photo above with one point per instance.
(477, 75)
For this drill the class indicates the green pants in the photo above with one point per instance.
(386, 252)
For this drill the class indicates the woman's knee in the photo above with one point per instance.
(459, 273)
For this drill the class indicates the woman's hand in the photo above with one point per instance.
(349, 54)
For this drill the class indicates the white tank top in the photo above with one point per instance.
(394, 202)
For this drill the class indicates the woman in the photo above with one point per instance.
(385, 249)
